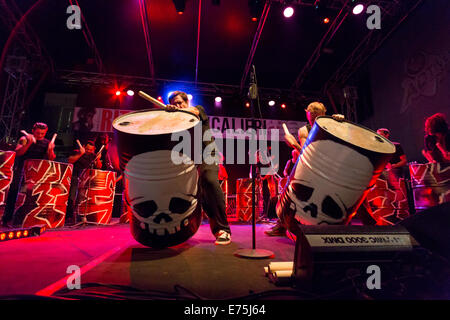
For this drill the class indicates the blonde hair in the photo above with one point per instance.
(316, 107)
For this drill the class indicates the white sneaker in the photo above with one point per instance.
(223, 237)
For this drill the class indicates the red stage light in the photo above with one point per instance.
(283, 106)
(180, 12)
(2, 236)
(247, 105)
(254, 19)
(11, 235)
(25, 233)
(160, 98)
(118, 93)
(18, 234)
(326, 20)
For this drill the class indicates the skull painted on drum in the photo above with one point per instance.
(313, 194)
(162, 198)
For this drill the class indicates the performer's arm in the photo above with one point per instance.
(74, 158)
(445, 153)
(302, 136)
(401, 163)
(427, 155)
(287, 168)
(23, 145)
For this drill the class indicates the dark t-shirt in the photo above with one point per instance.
(398, 153)
(84, 162)
(37, 150)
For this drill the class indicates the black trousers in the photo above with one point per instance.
(212, 198)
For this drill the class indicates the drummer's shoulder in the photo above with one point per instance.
(201, 112)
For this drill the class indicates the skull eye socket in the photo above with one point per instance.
(178, 205)
(302, 192)
(331, 208)
(146, 209)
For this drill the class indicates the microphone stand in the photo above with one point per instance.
(91, 165)
(253, 253)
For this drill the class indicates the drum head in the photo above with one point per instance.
(356, 135)
(155, 122)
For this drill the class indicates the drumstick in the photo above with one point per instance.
(26, 133)
(53, 139)
(79, 144)
(286, 131)
(151, 99)
(99, 153)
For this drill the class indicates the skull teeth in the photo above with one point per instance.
(163, 231)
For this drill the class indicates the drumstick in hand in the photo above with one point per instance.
(151, 99)
(79, 144)
(53, 139)
(291, 139)
(26, 134)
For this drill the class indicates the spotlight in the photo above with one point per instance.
(190, 97)
(160, 98)
(247, 104)
(130, 92)
(288, 12)
(358, 9)
(118, 93)
(283, 106)
(271, 103)
(218, 99)
(326, 20)
(180, 5)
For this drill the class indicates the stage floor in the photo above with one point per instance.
(110, 255)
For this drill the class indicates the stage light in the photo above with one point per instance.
(256, 8)
(11, 235)
(247, 104)
(271, 103)
(18, 234)
(160, 98)
(218, 99)
(25, 233)
(118, 93)
(130, 92)
(3, 236)
(288, 12)
(180, 5)
(190, 97)
(358, 9)
(283, 106)
(326, 20)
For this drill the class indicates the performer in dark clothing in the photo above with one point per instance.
(399, 157)
(104, 140)
(437, 139)
(82, 158)
(291, 163)
(30, 146)
(212, 197)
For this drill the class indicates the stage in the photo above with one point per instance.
(109, 255)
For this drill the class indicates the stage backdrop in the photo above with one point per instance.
(410, 76)
(100, 120)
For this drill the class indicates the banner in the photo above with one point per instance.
(100, 120)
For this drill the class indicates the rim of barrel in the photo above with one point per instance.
(361, 126)
(65, 163)
(146, 110)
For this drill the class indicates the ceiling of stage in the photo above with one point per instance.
(226, 36)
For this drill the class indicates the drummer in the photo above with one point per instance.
(314, 110)
(212, 197)
(291, 163)
(32, 145)
(82, 158)
(399, 158)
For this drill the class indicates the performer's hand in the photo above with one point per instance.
(338, 117)
(30, 138)
(389, 166)
(171, 108)
(290, 139)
